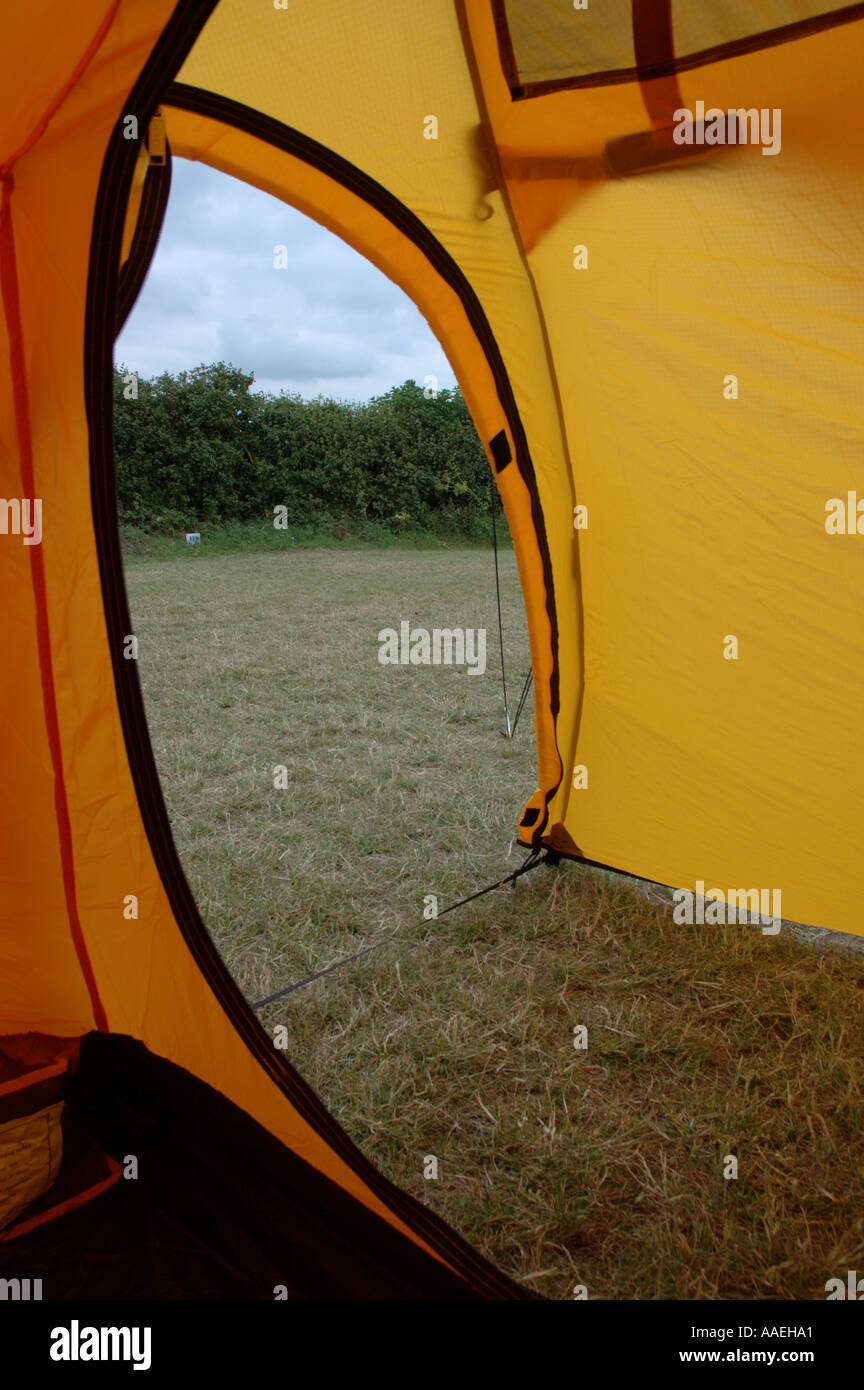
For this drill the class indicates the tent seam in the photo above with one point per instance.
(21, 401)
(54, 106)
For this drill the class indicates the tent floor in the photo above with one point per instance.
(219, 1209)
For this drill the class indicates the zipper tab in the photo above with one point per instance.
(157, 144)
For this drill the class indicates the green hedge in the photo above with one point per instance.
(201, 449)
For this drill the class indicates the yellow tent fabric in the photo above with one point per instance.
(705, 512)
(660, 343)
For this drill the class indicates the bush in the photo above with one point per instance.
(202, 449)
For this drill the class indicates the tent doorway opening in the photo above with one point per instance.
(313, 594)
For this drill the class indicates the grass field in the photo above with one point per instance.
(601, 1167)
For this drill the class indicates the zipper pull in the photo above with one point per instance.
(157, 144)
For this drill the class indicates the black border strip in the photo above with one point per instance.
(735, 48)
(301, 146)
(165, 60)
(151, 215)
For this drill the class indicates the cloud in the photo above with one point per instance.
(328, 324)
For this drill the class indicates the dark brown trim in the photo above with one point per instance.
(654, 47)
(735, 48)
(505, 43)
(652, 32)
(101, 315)
(151, 215)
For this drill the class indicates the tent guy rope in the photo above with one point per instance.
(534, 858)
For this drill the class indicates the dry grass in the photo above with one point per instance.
(602, 1167)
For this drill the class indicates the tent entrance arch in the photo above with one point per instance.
(300, 156)
(297, 170)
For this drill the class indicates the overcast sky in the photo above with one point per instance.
(330, 324)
